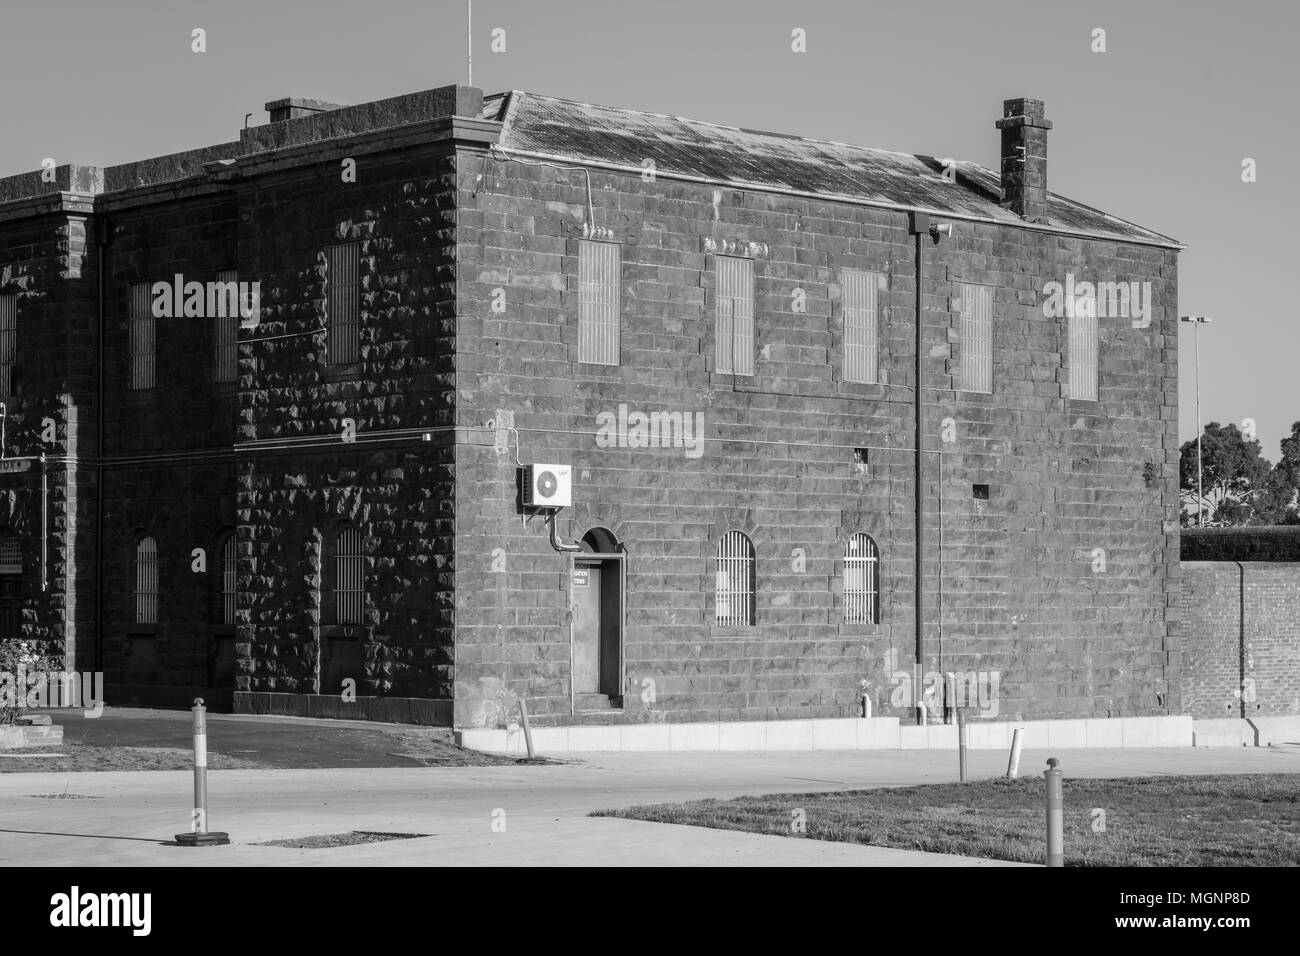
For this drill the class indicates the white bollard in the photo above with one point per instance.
(1013, 765)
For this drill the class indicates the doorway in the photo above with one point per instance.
(11, 592)
(597, 587)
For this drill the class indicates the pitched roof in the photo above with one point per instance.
(546, 125)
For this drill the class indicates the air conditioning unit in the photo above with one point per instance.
(548, 486)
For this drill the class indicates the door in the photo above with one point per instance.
(587, 615)
(10, 606)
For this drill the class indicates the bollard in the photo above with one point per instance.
(961, 743)
(1013, 764)
(1055, 814)
(528, 731)
(200, 836)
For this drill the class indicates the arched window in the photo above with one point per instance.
(228, 580)
(11, 558)
(349, 577)
(734, 600)
(861, 581)
(600, 541)
(146, 581)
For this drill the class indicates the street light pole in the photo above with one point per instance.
(1197, 321)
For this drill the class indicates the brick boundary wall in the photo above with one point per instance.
(1241, 638)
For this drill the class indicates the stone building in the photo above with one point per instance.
(706, 340)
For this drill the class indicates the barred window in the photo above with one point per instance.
(599, 301)
(11, 558)
(225, 328)
(735, 319)
(735, 580)
(975, 304)
(228, 580)
(146, 581)
(8, 341)
(343, 303)
(143, 336)
(861, 325)
(861, 581)
(1083, 353)
(349, 577)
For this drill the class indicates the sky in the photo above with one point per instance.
(1153, 130)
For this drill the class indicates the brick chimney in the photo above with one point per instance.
(294, 107)
(1024, 158)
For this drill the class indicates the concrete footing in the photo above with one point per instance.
(877, 733)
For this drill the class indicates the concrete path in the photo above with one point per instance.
(126, 818)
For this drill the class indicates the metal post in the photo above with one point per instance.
(199, 835)
(1200, 492)
(1013, 764)
(1055, 814)
(961, 743)
(528, 731)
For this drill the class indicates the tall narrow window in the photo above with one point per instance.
(225, 328)
(8, 342)
(228, 579)
(349, 577)
(599, 301)
(735, 319)
(976, 346)
(343, 303)
(861, 322)
(1083, 353)
(143, 332)
(735, 580)
(146, 581)
(861, 581)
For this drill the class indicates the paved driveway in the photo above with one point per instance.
(126, 818)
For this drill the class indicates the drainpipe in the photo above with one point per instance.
(556, 543)
(919, 227)
(103, 238)
(45, 531)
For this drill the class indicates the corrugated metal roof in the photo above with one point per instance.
(740, 157)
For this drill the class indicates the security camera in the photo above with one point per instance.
(945, 230)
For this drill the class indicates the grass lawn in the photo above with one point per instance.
(1239, 820)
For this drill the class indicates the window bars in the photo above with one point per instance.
(734, 341)
(734, 599)
(8, 342)
(146, 581)
(599, 301)
(861, 322)
(861, 581)
(349, 577)
(225, 359)
(976, 337)
(343, 303)
(228, 580)
(143, 337)
(11, 558)
(1083, 354)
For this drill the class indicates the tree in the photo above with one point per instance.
(1241, 487)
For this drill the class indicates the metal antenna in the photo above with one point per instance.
(469, 40)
